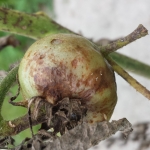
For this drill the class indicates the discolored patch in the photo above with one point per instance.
(74, 63)
(82, 51)
(57, 82)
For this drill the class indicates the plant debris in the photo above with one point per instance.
(81, 137)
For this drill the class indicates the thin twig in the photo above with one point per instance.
(134, 83)
(10, 128)
(141, 31)
(131, 64)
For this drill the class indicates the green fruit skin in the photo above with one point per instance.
(67, 65)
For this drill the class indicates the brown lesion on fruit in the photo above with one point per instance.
(38, 59)
(84, 53)
(56, 83)
(74, 63)
(41, 56)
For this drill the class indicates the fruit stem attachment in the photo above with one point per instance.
(139, 32)
(134, 83)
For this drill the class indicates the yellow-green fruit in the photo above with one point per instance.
(67, 65)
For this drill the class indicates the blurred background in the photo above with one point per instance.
(96, 20)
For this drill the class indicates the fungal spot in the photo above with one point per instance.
(56, 41)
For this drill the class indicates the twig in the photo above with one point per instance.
(9, 128)
(134, 83)
(131, 64)
(141, 31)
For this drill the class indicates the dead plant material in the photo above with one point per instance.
(81, 137)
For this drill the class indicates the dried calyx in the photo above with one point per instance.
(68, 72)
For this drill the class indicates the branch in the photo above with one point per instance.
(10, 128)
(141, 31)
